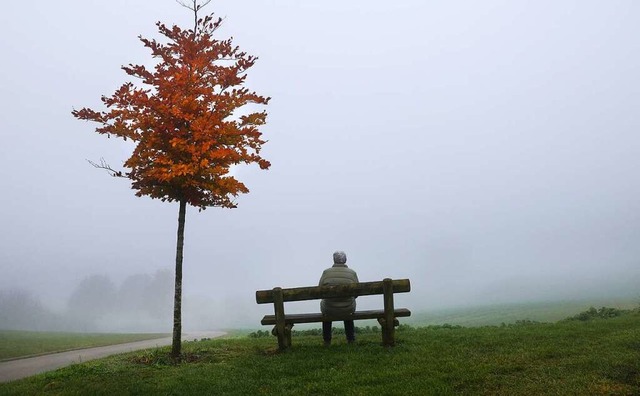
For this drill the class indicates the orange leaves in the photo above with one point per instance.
(183, 121)
(254, 119)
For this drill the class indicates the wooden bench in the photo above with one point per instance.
(387, 317)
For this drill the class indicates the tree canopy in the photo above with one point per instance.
(185, 118)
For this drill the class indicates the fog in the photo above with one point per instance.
(488, 151)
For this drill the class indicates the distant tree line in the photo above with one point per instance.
(21, 310)
(142, 302)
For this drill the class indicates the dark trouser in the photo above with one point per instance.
(349, 330)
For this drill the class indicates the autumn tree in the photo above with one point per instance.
(187, 118)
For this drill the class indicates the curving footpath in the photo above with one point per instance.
(20, 368)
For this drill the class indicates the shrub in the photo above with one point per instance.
(260, 334)
(602, 313)
(525, 322)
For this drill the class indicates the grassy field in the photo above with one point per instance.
(594, 356)
(497, 314)
(26, 343)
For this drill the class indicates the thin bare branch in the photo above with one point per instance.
(185, 5)
(103, 165)
(195, 7)
(204, 4)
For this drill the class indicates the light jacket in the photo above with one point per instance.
(339, 274)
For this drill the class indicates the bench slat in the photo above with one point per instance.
(318, 317)
(348, 290)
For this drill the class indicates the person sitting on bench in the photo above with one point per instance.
(339, 274)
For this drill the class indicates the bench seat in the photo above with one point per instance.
(318, 317)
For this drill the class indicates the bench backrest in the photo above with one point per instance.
(318, 292)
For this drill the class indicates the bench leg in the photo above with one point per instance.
(283, 330)
(387, 323)
(287, 334)
(388, 331)
(284, 337)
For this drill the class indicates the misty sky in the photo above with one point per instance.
(487, 150)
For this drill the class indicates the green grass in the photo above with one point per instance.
(26, 343)
(510, 313)
(597, 356)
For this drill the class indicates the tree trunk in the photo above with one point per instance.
(176, 345)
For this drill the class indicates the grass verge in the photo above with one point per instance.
(14, 344)
(591, 356)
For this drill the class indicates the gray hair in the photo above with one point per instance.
(339, 257)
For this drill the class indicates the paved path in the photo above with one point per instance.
(20, 368)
